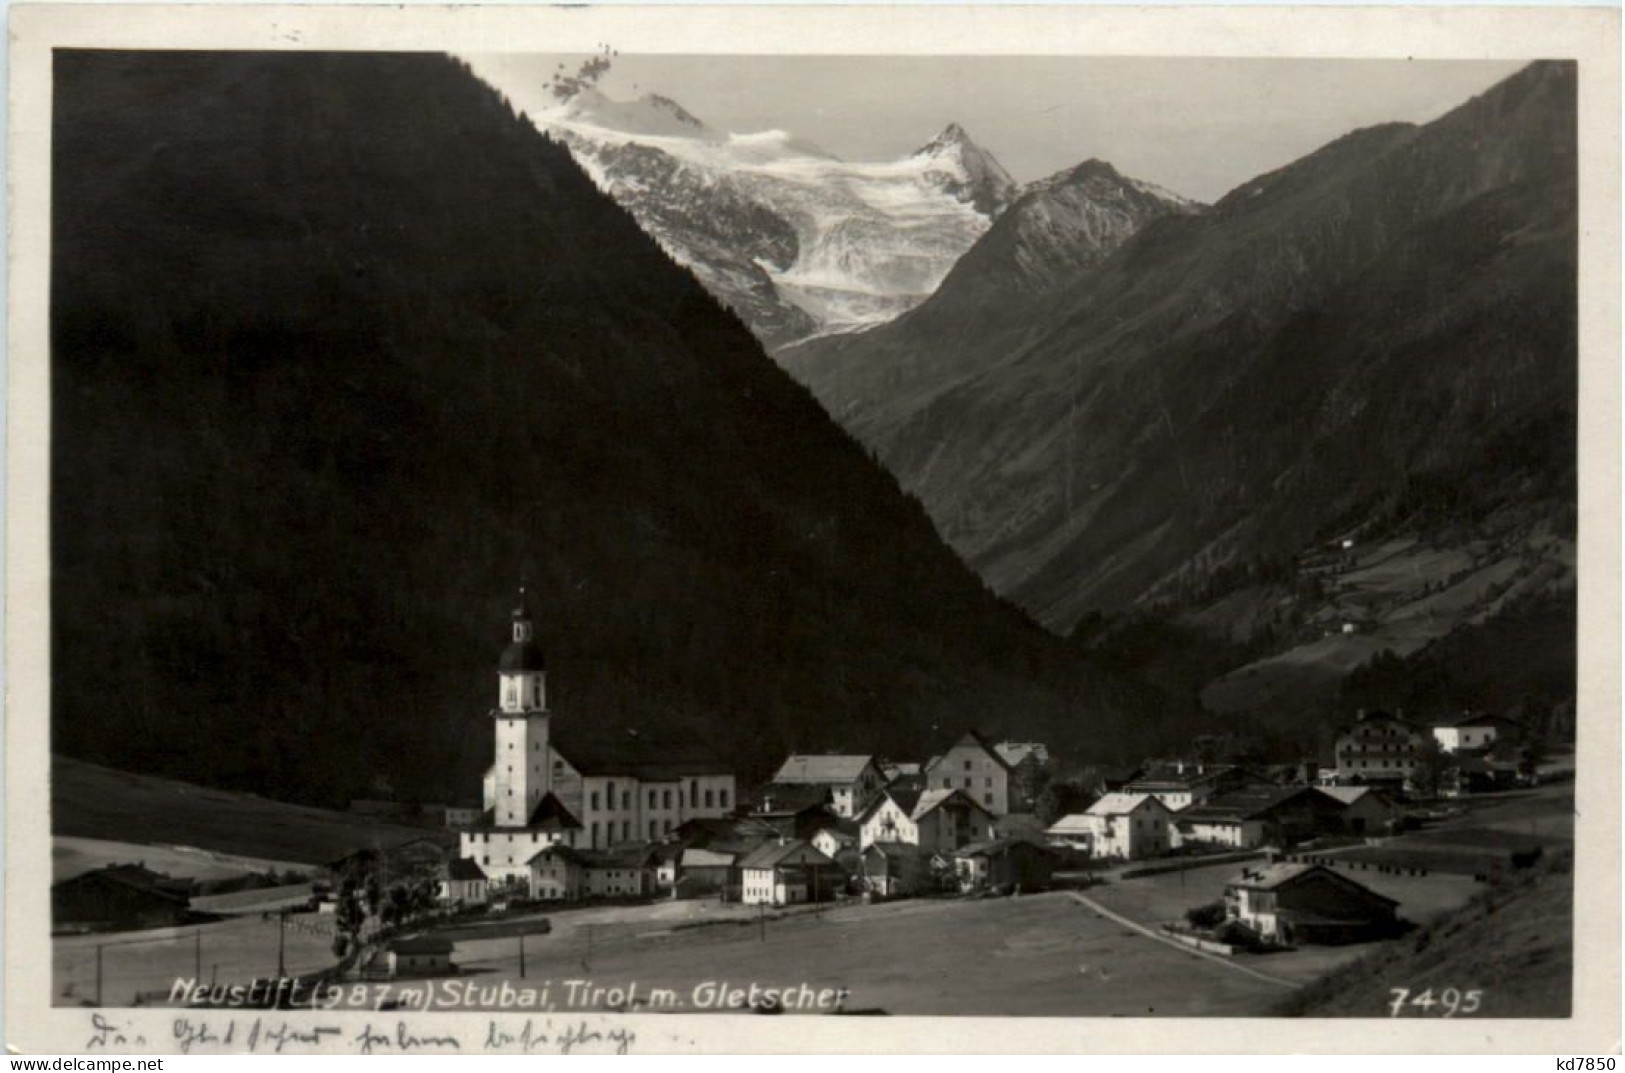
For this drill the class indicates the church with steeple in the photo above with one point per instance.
(562, 779)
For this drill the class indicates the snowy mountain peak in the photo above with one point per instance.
(648, 115)
(953, 136)
(975, 175)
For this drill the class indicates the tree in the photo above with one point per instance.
(1061, 799)
(1431, 764)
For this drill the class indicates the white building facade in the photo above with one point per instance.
(559, 785)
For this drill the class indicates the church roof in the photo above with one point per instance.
(804, 768)
(522, 657)
(594, 749)
(550, 814)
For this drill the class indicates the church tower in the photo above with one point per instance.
(521, 773)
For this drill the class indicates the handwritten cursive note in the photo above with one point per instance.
(294, 1034)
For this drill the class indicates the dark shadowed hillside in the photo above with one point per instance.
(341, 345)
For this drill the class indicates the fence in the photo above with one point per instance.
(126, 969)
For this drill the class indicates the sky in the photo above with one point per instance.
(1199, 126)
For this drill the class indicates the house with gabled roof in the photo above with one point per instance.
(1476, 732)
(462, 882)
(1294, 902)
(852, 779)
(939, 820)
(1268, 815)
(1377, 749)
(557, 874)
(120, 897)
(1003, 864)
(624, 871)
(1122, 825)
(972, 765)
(895, 869)
(1367, 810)
(787, 873)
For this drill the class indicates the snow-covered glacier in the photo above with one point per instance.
(798, 242)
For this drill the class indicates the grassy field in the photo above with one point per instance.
(236, 950)
(1155, 899)
(72, 856)
(1404, 594)
(92, 802)
(1040, 955)
(1512, 944)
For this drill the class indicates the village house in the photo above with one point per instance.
(1123, 826)
(1004, 864)
(667, 856)
(119, 897)
(974, 767)
(794, 811)
(1476, 732)
(1248, 819)
(623, 872)
(896, 869)
(577, 782)
(1027, 761)
(1076, 831)
(1377, 749)
(557, 874)
(1366, 809)
(1293, 903)
(852, 780)
(420, 955)
(1180, 784)
(702, 872)
(787, 873)
(463, 883)
(834, 836)
(891, 770)
(938, 820)
(1478, 774)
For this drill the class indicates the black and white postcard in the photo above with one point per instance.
(578, 530)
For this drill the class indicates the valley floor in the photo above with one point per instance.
(1048, 954)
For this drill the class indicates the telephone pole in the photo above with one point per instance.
(521, 955)
(99, 973)
(281, 943)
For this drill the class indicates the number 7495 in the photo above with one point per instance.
(1450, 1001)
